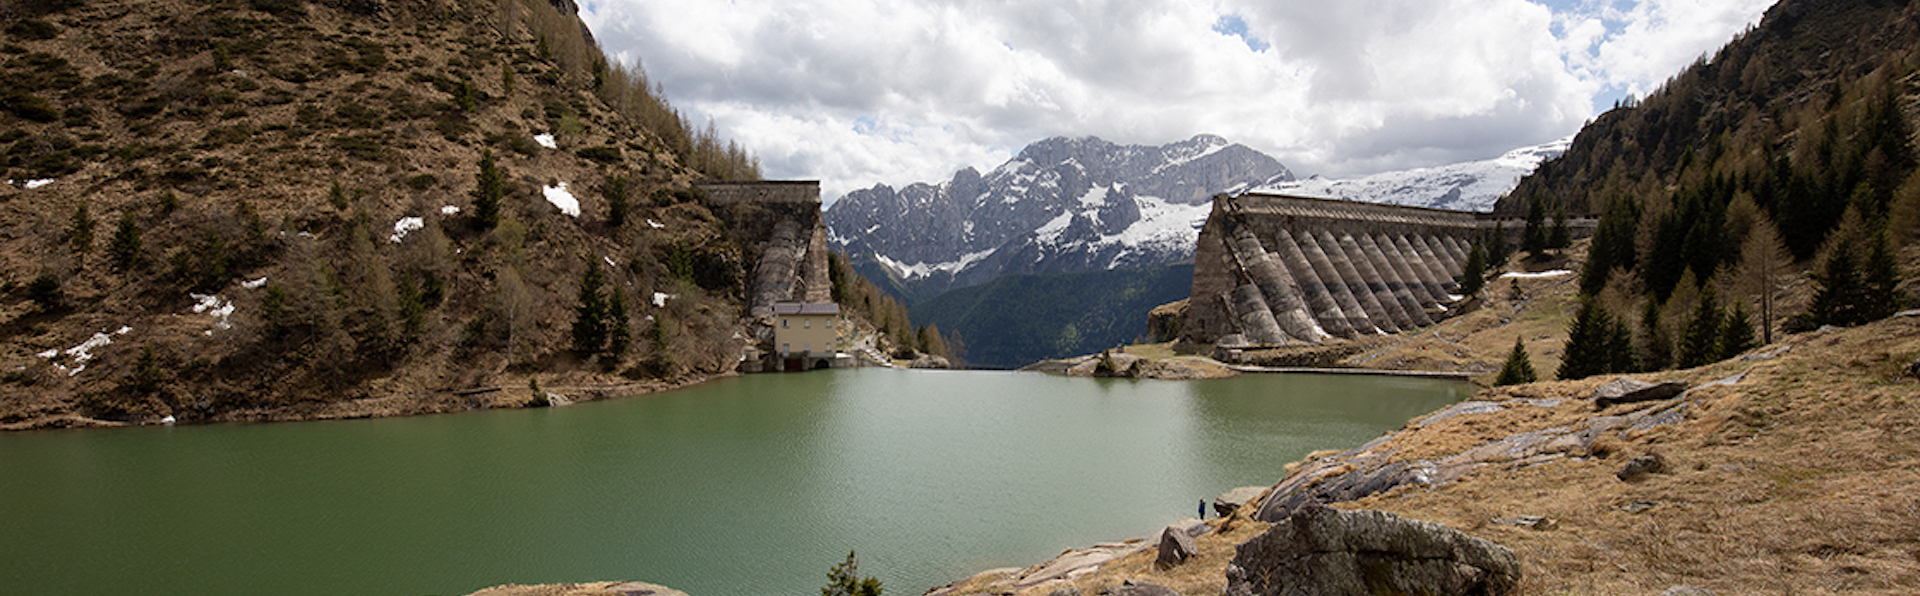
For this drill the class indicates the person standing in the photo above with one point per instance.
(1203, 509)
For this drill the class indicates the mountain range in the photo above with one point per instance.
(1066, 205)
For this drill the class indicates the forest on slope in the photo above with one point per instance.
(1789, 150)
(271, 209)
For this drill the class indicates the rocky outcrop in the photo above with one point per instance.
(1377, 466)
(1163, 322)
(1323, 551)
(1625, 390)
(1231, 501)
(587, 589)
(1175, 548)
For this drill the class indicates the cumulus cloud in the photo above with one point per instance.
(897, 91)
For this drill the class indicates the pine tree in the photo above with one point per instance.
(1558, 236)
(1519, 367)
(1473, 276)
(619, 331)
(617, 202)
(1588, 338)
(1880, 297)
(1702, 341)
(1840, 295)
(80, 231)
(1497, 248)
(1620, 353)
(589, 321)
(491, 188)
(125, 248)
(1533, 239)
(1736, 334)
(1656, 349)
(844, 580)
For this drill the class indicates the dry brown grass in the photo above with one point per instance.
(1801, 478)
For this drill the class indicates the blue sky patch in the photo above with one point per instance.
(1234, 25)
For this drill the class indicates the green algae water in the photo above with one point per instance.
(746, 486)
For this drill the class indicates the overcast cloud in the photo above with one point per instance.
(855, 93)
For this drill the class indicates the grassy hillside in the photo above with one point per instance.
(247, 209)
(1020, 319)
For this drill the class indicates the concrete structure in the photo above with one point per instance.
(804, 334)
(789, 251)
(1276, 269)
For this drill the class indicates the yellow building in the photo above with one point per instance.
(807, 331)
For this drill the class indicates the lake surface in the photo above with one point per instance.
(746, 486)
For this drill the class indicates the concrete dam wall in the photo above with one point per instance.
(1276, 269)
(778, 223)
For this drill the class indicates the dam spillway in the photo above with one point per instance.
(1275, 269)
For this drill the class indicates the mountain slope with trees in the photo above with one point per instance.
(1790, 149)
(282, 209)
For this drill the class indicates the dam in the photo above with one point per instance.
(1275, 269)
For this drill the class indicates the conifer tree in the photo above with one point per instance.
(1620, 355)
(617, 202)
(1519, 367)
(1736, 334)
(589, 322)
(1533, 238)
(844, 580)
(619, 331)
(80, 231)
(1656, 348)
(1701, 344)
(1840, 295)
(490, 190)
(1558, 236)
(1588, 342)
(1763, 258)
(1880, 296)
(1497, 248)
(125, 248)
(1473, 276)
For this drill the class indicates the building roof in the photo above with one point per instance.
(806, 308)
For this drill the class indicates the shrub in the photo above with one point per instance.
(124, 251)
(422, 182)
(33, 29)
(29, 106)
(600, 154)
(45, 292)
(80, 231)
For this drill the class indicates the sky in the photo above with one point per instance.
(855, 93)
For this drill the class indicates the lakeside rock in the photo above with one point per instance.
(587, 589)
(1231, 501)
(1320, 550)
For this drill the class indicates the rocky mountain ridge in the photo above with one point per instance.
(1061, 205)
(1065, 205)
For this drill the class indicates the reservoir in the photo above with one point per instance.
(744, 486)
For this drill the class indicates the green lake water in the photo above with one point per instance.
(745, 486)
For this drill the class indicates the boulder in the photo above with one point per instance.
(1233, 500)
(1641, 467)
(1175, 548)
(1139, 588)
(1628, 390)
(1324, 551)
(1068, 590)
(929, 361)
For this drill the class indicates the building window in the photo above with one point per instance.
(808, 323)
(783, 323)
(785, 349)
